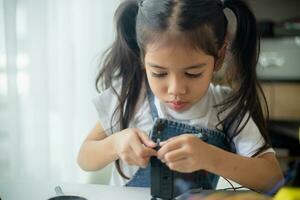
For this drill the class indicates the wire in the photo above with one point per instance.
(291, 173)
(232, 187)
(236, 188)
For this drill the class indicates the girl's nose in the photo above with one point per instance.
(176, 86)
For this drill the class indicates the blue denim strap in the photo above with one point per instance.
(151, 97)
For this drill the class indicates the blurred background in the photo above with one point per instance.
(49, 55)
(279, 72)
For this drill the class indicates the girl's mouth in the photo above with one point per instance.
(177, 105)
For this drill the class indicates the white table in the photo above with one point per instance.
(28, 190)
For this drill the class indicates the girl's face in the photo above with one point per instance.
(178, 76)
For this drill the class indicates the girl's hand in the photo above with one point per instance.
(185, 153)
(134, 147)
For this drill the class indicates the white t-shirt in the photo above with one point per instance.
(202, 114)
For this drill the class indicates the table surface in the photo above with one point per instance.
(18, 190)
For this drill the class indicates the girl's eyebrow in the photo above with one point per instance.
(200, 65)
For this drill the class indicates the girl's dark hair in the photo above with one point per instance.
(203, 25)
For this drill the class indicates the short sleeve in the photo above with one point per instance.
(106, 103)
(250, 140)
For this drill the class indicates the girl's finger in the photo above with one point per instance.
(145, 162)
(140, 149)
(133, 159)
(148, 152)
(163, 143)
(168, 147)
(174, 156)
(146, 139)
(129, 158)
(168, 140)
(140, 161)
(179, 166)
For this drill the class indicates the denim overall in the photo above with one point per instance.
(168, 184)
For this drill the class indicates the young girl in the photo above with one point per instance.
(169, 51)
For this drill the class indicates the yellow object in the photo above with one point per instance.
(288, 193)
(233, 196)
(243, 196)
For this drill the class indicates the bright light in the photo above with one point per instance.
(2, 61)
(22, 61)
(23, 82)
(3, 84)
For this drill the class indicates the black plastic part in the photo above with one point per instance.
(163, 180)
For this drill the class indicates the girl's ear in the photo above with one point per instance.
(221, 56)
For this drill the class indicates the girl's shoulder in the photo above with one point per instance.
(110, 96)
(107, 102)
(107, 99)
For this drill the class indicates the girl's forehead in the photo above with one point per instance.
(198, 40)
(173, 42)
(175, 56)
(173, 48)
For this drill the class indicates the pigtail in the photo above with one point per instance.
(122, 61)
(245, 49)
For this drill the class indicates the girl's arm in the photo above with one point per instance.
(131, 145)
(97, 150)
(260, 173)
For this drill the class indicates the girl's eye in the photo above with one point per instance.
(159, 75)
(193, 75)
